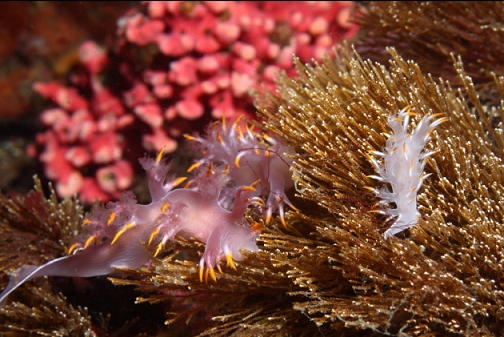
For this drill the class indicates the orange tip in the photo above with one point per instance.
(160, 155)
(193, 167)
(282, 220)
(165, 207)
(72, 248)
(226, 169)
(121, 231)
(248, 188)
(153, 234)
(230, 262)
(159, 247)
(111, 218)
(238, 120)
(88, 241)
(179, 181)
(256, 227)
(223, 120)
(212, 274)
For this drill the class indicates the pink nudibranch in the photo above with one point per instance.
(123, 229)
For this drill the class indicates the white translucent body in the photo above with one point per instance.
(402, 167)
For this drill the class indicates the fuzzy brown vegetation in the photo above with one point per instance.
(446, 276)
(331, 272)
(33, 230)
(429, 32)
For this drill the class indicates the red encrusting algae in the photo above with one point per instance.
(173, 67)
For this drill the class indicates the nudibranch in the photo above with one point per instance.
(120, 231)
(402, 167)
(251, 156)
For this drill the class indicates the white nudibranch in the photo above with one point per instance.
(401, 165)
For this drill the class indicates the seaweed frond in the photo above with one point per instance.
(442, 277)
(35, 229)
(330, 271)
(430, 32)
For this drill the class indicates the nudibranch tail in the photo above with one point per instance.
(93, 261)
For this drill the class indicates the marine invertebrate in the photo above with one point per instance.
(217, 52)
(119, 232)
(85, 132)
(250, 156)
(330, 271)
(403, 168)
(173, 67)
(435, 280)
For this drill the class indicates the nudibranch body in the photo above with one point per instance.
(251, 156)
(402, 167)
(120, 231)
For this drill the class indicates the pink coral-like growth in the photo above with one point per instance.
(173, 66)
(237, 39)
(85, 132)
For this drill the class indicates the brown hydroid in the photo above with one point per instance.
(33, 230)
(331, 272)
